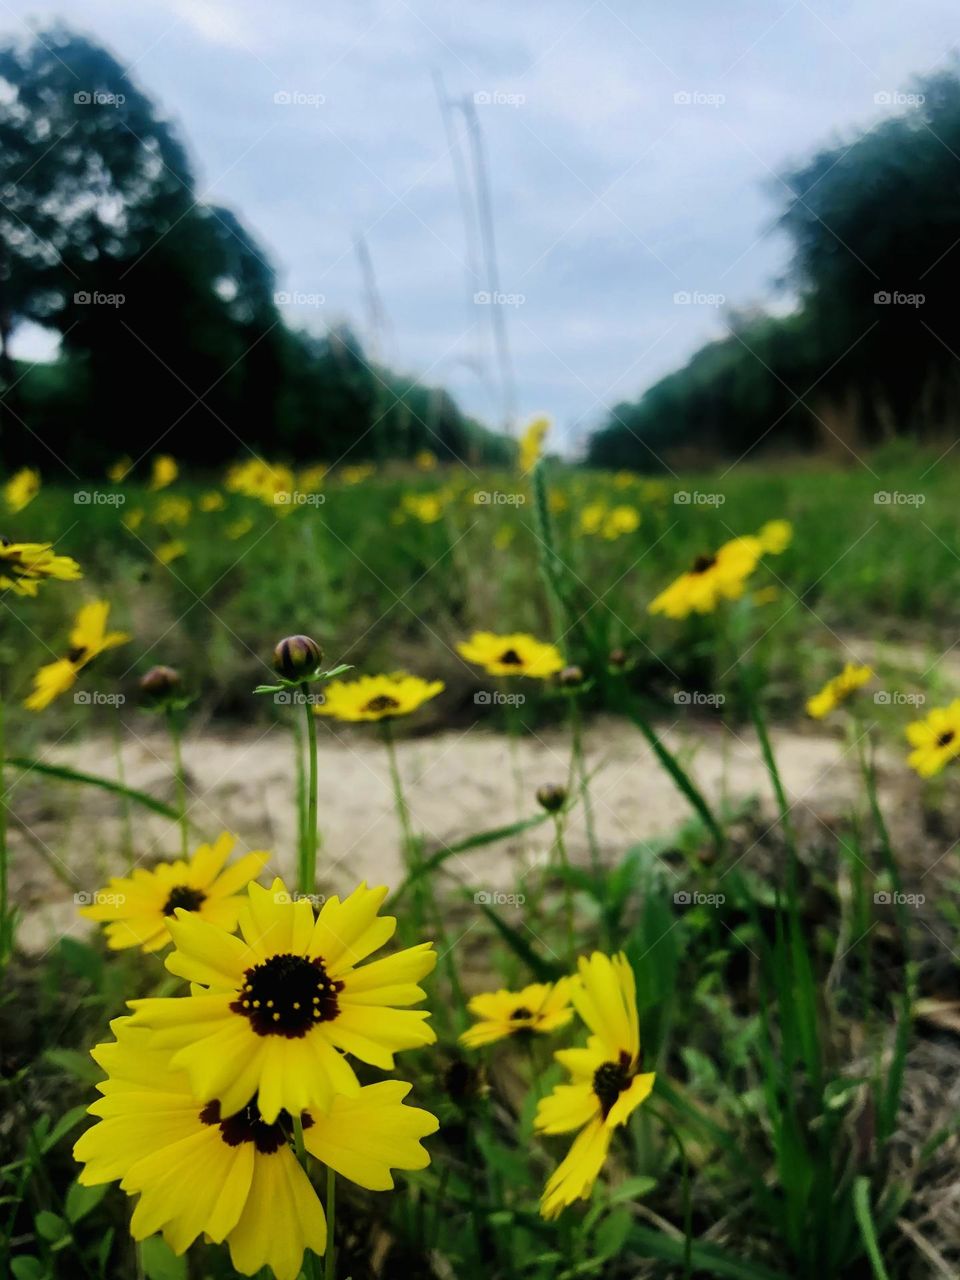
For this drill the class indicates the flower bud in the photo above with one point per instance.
(297, 658)
(159, 685)
(570, 677)
(552, 798)
(617, 658)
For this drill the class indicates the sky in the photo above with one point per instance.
(632, 154)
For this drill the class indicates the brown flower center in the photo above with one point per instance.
(703, 563)
(382, 702)
(510, 658)
(610, 1079)
(249, 1126)
(946, 738)
(521, 1013)
(184, 895)
(286, 995)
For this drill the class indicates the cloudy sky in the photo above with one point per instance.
(632, 153)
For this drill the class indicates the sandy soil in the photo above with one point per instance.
(457, 783)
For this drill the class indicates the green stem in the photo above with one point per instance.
(561, 848)
(124, 798)
(330, 1260)
(580, 767)
(6, 923)
(175, 738)
(308, 853)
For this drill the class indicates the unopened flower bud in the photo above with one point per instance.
(297, 657)
(159, 685)
(617, 658)
(570, 677)
(552, 798)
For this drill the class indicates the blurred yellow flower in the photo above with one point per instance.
(541, 1008)
(88, 639)
(504, 537)
(137, 909)
(624, 479)
(239, 528)
(358, 473)
(376, 697)
(935, 739)
(621, 520)
(119, 470)
(24, 565)
(164, 471)
(134, 519)
(775, 537)
(312, 478)
(167, 552)
(21, 489)
(271, 483)
(172, 509)
(425, 507)
(425, 460)
(837, 690)
(212, 501)
(711, 578)
(606, 1085)
(592, 517)
(557, 501)
(518, 654)
(531, 443)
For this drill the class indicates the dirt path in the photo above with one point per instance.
(457, 783)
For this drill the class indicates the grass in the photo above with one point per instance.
(778, 971)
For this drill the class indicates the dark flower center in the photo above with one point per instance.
(703, 563)
(510, 658)
(184, 895)
(287, 995)
(382, 702)
(521, 1012)
(946, 738)
(610, 1079)
(249, 1126)
(75, 655)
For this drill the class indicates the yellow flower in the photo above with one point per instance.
(425, 460)
(531, 443)
(134, 519)
(119, 470)
(935, 739)
(88, 639)
(766, 595)
(592, 517)
(167, 552)
(173, 510)
(621, 520)
(239, 528)
(606, 1082)
(164, 471)
(235, 1178)
(21, 489)
(775, 537)
(275, 1012)
(376, 697)
(312, 478)
(711, 578)
(504, 537)
(838, 690)
(557, 501)
(138, 909)
(357, 474)
(268, 482)
(213, 500)
(624, 479)
(512, 655)
(24, 565)
(542, 1007)
(425, 507)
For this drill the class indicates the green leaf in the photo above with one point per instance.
(861, 1207)
(27, 1268)
(632, 1189)
(79, 1065)
(65, 774)
(50, 1226)
(68, 1121)
(81, 1200)
(477, 841)
(612, 1233)
(159, 1262)
(708, 1258)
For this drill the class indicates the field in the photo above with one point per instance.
(781, 885)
